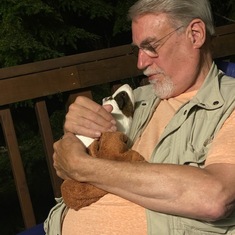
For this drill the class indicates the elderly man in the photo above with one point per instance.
(183, 126)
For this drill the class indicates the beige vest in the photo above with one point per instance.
(186, 140)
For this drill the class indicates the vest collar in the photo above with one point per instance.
(209, 95)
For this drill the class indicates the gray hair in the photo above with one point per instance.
(181, 11)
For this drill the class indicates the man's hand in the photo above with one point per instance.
(69, 156)
(85, 117)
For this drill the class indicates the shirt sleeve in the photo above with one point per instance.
(223, 146)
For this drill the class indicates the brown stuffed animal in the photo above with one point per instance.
(111, 145)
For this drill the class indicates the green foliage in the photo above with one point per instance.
(57, 120)
(224, 11)
(33, 30)
(93, 8)
(121, 10)
(20, 40)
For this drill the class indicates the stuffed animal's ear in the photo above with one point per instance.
(120, 99)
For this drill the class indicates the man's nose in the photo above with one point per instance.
(144, 60)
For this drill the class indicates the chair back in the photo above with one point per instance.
(227, 67)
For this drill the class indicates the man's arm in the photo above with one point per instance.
(206, 194)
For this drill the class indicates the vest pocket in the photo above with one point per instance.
(194, 157)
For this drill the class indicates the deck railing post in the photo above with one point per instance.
(17, 168)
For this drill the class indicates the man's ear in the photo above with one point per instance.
(196, 32)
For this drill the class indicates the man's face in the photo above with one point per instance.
(166, 55)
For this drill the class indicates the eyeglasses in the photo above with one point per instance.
(152, 50)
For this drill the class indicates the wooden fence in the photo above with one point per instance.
(76, 75)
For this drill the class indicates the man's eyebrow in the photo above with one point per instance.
(146, 42)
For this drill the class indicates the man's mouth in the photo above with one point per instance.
(155, 77)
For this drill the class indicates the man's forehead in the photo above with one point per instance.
(148, 28)
(156, 21)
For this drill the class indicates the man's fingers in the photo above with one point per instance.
(85, 117)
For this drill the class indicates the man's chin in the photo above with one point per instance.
(162, 93)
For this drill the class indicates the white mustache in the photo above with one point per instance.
(148, 72)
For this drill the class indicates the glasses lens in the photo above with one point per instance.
(135, 50)
(148, 51)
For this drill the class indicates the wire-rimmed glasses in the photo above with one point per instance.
(152, 49)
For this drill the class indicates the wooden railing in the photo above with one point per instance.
(75, 74)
